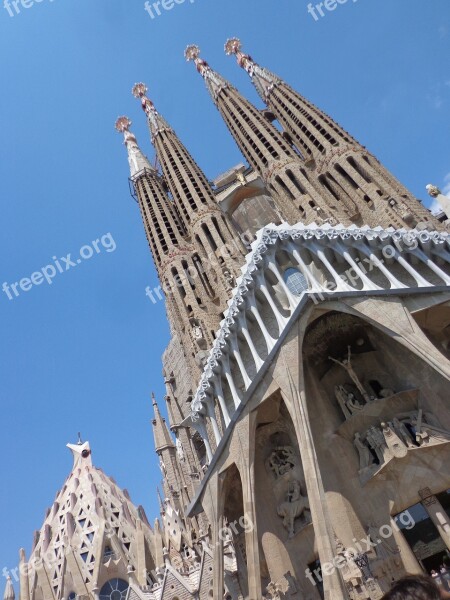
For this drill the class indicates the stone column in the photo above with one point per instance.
(293, 391)
(212, 504)
(249, 502)
(437, 514)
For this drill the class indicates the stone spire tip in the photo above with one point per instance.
(9, 590)
(232, 46)
(192, 52)
(122, 124)
(139, 90)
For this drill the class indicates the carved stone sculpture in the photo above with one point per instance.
(394, 438)
(293, 507)
(347, 365)
(365, 456)
(396, 446)
(282, 460)
(180, 451)
(347, 401)
(400, 427)
(341, 397)
(376, 440)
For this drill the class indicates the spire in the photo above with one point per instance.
(313, 132)
(138, 162)
(161, 222)
(264, 147)
(349, 177)
(9, 590)
(257, 139)
(161, 433)
(263, 79)
(214, 82)
(156, 122)
(174, 411)
(215, 256)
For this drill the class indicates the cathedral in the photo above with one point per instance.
(307, 449)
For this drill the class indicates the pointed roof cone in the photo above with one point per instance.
(176, 416)
(9, 590)
(262, 78)
(160, 501)
(161, 433)
(214, 82)
(155, 120)
(137, 160)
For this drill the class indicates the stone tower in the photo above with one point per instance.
(318, 171)
(206, 226)
(93, 540)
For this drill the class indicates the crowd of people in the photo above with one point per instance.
(442, 578)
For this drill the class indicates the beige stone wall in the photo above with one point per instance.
(294, 406)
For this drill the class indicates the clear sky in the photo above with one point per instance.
(83, 353)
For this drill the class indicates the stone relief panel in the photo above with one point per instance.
(381, 443)
(283, 466)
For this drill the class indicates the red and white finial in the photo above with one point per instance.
(192, 53)
(122, 124)
(214, 82)
(140, 91)
(233, 46)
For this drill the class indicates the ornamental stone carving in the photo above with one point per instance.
(293, 507)
(282, 460)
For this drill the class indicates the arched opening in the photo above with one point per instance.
(234, 523)
(285, 533)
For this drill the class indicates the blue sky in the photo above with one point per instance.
(83, 353)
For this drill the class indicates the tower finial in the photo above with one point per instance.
(233, 46)
(214, 81)
(154, 400)
(80, 443)
(192, 52)
(156, 121)
(122, 124)
(139, 90)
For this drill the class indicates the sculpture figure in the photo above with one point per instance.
(376, 444)
(353, 404)
(341, 397)
(403, 432)
(180, 450)
(282, 460)
(395, 445)
(365, 456)
(347, 365)
(293, 507)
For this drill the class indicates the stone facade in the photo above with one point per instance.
(307, 450)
